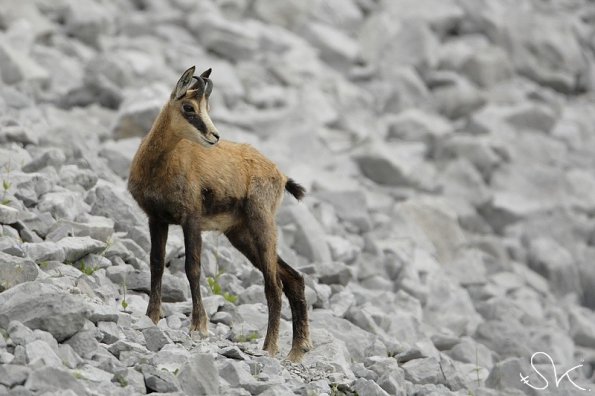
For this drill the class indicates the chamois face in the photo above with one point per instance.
(189, 105)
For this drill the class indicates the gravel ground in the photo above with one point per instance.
(448, 234)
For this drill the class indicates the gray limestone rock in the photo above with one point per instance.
(76, 248)
(200, 375)
(8, 215)
(15, 270)
(155, 338)
(43, 306)
(48, 379)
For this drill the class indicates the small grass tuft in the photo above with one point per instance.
(251, 336)
(120, 380)
(216, 288)
(87, 270)
(124, 303)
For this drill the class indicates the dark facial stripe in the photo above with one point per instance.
(197, 122)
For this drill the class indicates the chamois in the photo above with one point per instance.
(183, 174)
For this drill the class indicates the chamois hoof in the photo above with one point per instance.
(154, 316)
(296, 354)
(271, 350)
(201, 329)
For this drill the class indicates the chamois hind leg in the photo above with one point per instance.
(293, 287)
(158, 233)
(258, 243)
(193, 246)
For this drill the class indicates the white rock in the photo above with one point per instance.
(350, 206)
(501, 375)
(18, 66)
(454, 95)
(12, 374)
(442, 16)
(8, 215)
(110, 332)
(407, 90)
(119, 154)
(336, 48)
(487, 67)
(97, 227)
(417, 125)
(368, 387)
(334, 273)
(309, 237)
(331, 352)
(73, 178)
(51, 157)
(582, 326)
(19, 12)
(19, 333)
(43, 306)
(556, 264)
(84, 343)
(39, 354)
(76, 248)
(138, 111)
(160, 381)
(289, 15)
(87, 20)
(546, 50)
(155, 338)
(44, 251)
(171, 357)
(385, 42)
(113, 202)
(443, 295)
(48, 379)
(63, 204)
(395, 165)
(238, 41)
(360, 343)
(237, 374)
(342, 249)
(15, 270)
(199, 376)
(18, 134)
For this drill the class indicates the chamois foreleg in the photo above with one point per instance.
(193, 246)
(158, 233)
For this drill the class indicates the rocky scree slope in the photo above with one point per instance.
(448, 147)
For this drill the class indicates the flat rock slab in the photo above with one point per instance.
(8, 215)
(76, 248)
(43, 306)
(15, 270)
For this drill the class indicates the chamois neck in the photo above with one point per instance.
(160, 139)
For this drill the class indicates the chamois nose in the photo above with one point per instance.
(216, 136)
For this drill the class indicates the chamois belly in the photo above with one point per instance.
(221, 222)
(220, 213)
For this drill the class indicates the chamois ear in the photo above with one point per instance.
(206, 73)
(208, 87)
(183, 84)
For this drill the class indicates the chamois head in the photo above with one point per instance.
(188, 108)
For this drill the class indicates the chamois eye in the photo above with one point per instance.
(188, 108)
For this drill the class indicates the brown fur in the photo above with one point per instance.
(178, 177)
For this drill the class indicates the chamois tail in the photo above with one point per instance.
(295, 189)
